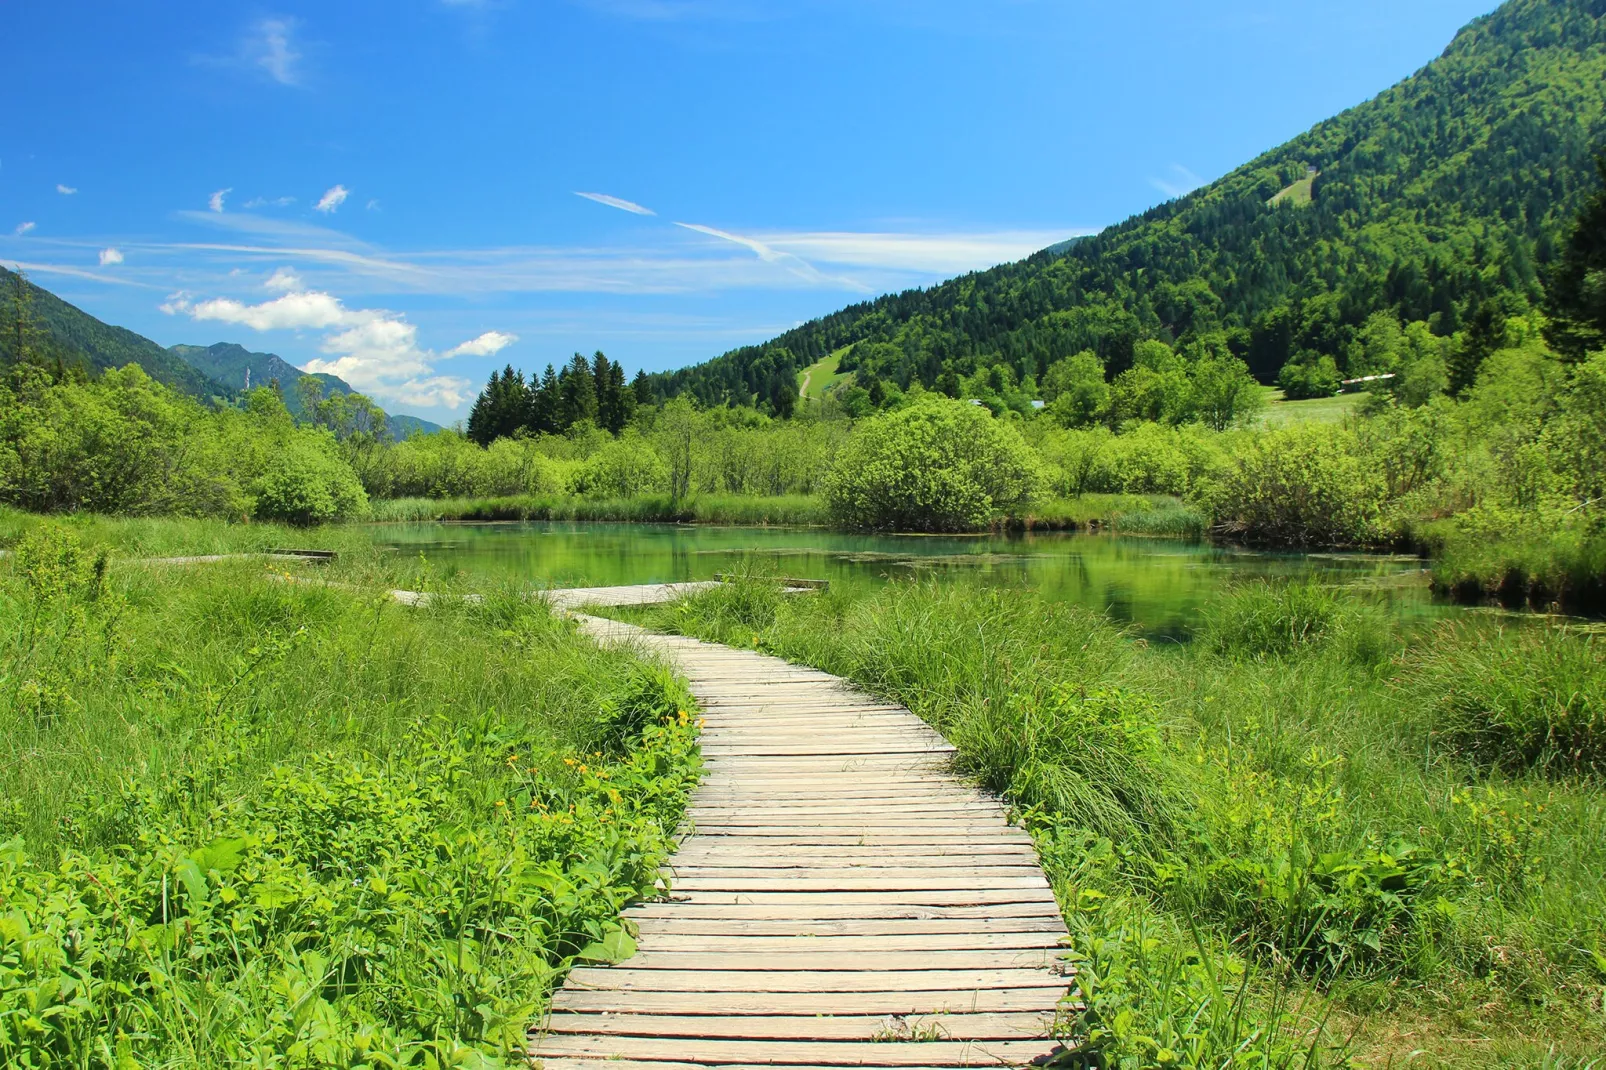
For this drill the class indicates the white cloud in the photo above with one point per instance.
(372, 205)
(23, 228)
(771, 255)
(332, 198)
(283, 280)
(215, 202)
(276, 202)
(488, 344)
(66, 191)
(1181, 183)
(110, 255)
(616, 202)
(764, 251)
(376, 351)
(269, 47)
(933, 254)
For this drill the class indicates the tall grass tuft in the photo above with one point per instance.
(1263, 618)
(1518, 698)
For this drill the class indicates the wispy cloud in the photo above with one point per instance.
(332, 198)
(111, 255)
(1180, 183)
(486, 345)
(23, 228)
(374, 350)
(74, 272)
(771, 255)
(66, 191)
(271, 48)
(372, 205)
(274, 202)
(215, 202)
(616, 202)
(928, 253)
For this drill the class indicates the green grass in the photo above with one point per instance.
(1294, 800)
(174, 536)
(1282, 413)
(1129, 514)
(822, 375)
(1564, 566)
(245, 821)
(1298, 193)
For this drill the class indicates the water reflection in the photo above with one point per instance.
(1157, 585)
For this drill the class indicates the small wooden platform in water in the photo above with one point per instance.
(843, 900)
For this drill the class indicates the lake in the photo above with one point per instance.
(1157, 585)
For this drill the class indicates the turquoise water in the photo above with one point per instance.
(1158, 585)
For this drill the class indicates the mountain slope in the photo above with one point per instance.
(216, 371)
(228, 363)
(1440, 200)
(99, 346)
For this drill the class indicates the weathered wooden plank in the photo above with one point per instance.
(986, 1026)
(897, 881)
(623, 979)
(716, 1001)
(794, 1052)
(809, 915)
(913, 927)
(682, 941)
(831, 960)
(745, 863)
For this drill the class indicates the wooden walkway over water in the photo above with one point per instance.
(843, 900)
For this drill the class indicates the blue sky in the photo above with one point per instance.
(411, 192)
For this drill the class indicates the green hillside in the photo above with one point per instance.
(68, 334)
(228, 363)
(78, 338)
(1441, 200)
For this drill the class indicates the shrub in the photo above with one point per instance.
(937, 465)
(622, 469)
(1304, 486)
(305, 485)
(1517, 698)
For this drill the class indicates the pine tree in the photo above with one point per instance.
(577, 394)
(481, 421)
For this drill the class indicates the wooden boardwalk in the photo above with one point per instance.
(842, 901)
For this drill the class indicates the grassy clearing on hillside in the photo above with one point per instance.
(1304, 797)
(1280, 412)
(251, 821)
(822, 375)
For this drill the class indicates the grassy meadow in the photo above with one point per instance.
(1309, 835)
(246, 820)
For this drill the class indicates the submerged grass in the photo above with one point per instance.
(1289, 787)
(251, 821)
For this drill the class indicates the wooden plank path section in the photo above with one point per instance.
(842, 900)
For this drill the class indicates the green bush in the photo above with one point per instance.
(624, 468)
(1528, 697)
(1303, 486)
(306, 485)
(937, 465)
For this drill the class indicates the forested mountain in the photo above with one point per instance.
(77, 338)
(1441, 202)
(228, 363)
(65, 334)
